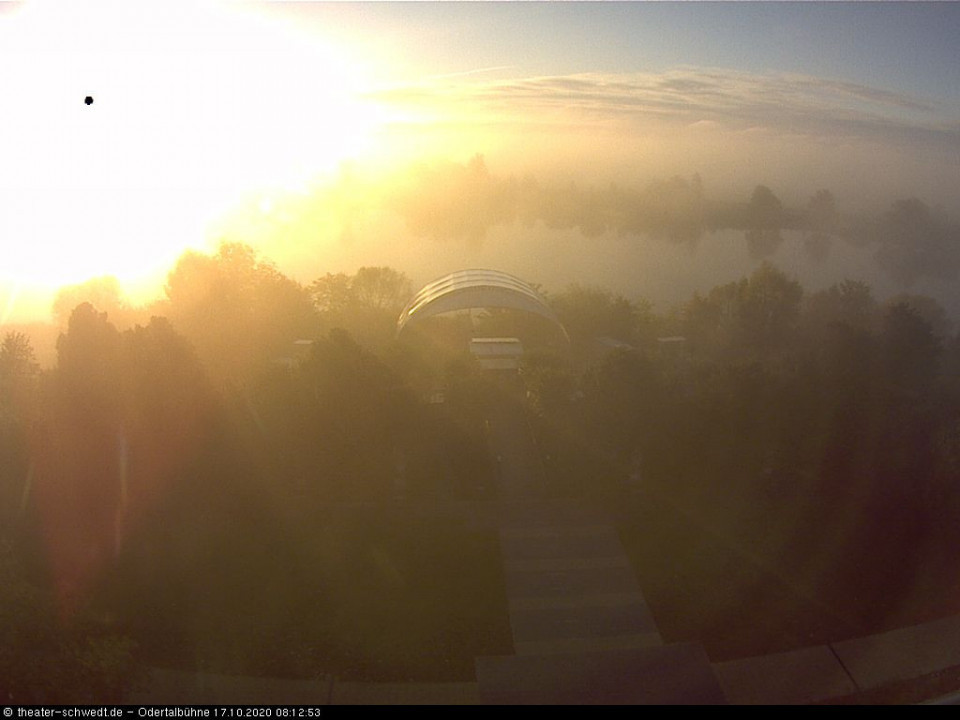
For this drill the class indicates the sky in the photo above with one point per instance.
(904, 47)
(207, 117)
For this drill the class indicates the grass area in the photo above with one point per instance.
(752, 585)
(700, 588)
(417, 600)
(374, 596)
(702, 583)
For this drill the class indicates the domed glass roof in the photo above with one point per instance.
(466, 289)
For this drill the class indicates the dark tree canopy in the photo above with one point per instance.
(591, 312)
(88, 359)
(911, 349)
(764, 221)
(19, 368)
(103, 293)
(757, 313)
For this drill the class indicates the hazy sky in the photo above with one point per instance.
(851, 74)
(201, 108)
(906, 47)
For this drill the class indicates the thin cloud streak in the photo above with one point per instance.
(738, 100)
(464, 73)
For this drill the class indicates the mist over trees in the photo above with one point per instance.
(757, 314)
(156, 468)
(103, 293)
(738, 384)
(522, 221)
(822, 423)
(238, 310)
(368, 302)
(909, 241)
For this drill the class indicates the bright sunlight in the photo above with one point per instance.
(193, 108)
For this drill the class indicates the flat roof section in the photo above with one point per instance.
(496, 347)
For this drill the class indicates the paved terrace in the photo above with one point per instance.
(800, 676)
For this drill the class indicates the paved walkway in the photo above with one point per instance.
(570, 586)
(829, 671)
(582, 631)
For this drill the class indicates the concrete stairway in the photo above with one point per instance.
(582, 630)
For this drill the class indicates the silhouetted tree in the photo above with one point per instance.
(77, 484)
(19, 381)
(359, 408)
(591, 312)
(366, 304)
(932, 312)
(850, 302)
(910, 349)
(88, 365)
(19, 370)
(332, 294)
(625, 397)
(381, 288)
(758, 313)
(820, 214)
(103, 293)
(764, 220)
(770, 307)
(169, 412)
(820, 222)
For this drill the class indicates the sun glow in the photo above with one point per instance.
(194, 107)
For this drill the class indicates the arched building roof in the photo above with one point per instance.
(465, 289)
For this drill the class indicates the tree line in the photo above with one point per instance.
(819, 429)
(909, 240)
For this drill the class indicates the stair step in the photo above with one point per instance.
(588, 644)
